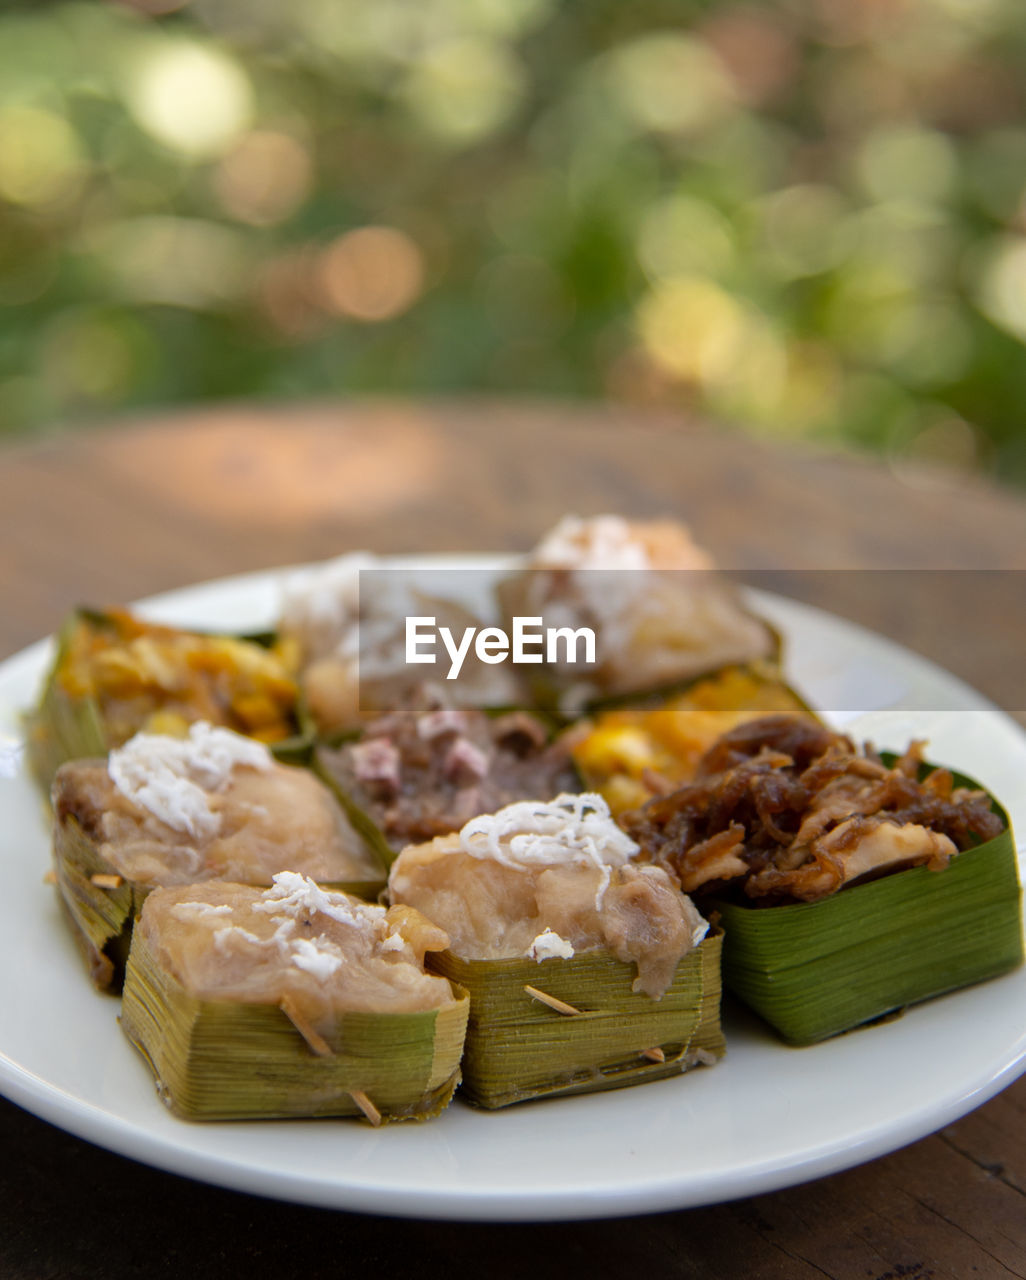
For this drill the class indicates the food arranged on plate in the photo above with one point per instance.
(568, 845)
(548, 911)
(848, 883)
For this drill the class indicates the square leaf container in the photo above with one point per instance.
(519, 1048)
(815, 969)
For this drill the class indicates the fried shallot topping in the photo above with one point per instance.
(793, 811)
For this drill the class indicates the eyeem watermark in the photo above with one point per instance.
(530, 641)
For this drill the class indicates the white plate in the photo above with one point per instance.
(766, 1117)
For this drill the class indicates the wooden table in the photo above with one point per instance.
(107, 516)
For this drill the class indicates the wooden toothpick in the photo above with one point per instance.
(560, 1006)
(302, 1024)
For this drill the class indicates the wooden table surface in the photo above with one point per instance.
(110, 515)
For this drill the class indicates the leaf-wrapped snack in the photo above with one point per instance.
(116, 675)
(585, 970)
(165, 811)
(659, 612)
(850, 884)
(290, 1002)
(345, 623)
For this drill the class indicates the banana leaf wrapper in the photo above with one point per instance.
(66, 726)
(519, 1048)
(361, 819)
(101, 918)
(222, 1060)
(815, 969)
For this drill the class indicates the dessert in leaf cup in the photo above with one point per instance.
(849, 882)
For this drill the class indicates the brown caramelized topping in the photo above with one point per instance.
(791, 810)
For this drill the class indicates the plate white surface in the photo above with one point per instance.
(766, 1117)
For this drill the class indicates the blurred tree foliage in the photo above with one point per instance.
(803, 217)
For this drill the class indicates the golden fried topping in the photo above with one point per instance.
(147, 677)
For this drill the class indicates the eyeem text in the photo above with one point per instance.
(529, 642)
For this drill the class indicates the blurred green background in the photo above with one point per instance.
(804, 218)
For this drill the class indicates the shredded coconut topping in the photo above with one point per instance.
(172, 778)
(322, 608)
(572, 829)
(293, 894)
(290, 901)
(550, 946)
(601, 542)
(222, 936)
(195, 910)
(319, 956)
(321, 605)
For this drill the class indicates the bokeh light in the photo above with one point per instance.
(464, 89)
(1003, 285)
(372, 273)
(670, 83)
(804, 229)
(758, 48)
(191, 97)
(265, 178)
(680, 234)
(906, 163)
(174, 262)
(693, 329)
(41, 160)
(803, 219)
